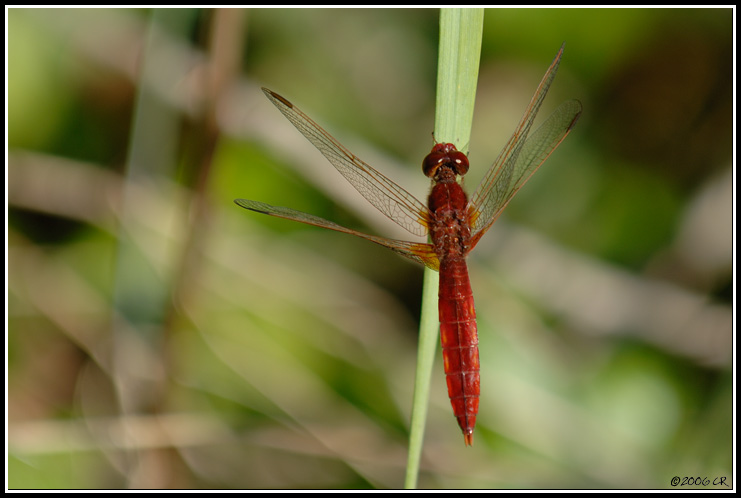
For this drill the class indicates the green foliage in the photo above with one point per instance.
(245, 354)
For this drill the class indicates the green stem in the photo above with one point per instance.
(458, 69)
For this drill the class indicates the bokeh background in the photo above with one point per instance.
(158, 336)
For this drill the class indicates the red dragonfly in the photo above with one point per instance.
(454, 222)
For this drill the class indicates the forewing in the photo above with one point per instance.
(518, 171)
(522, 156)
(388, 197)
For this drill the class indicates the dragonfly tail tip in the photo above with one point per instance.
(468, 438)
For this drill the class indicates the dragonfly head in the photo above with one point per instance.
(444, 154)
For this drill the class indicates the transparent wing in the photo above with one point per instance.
(522, 156)
(419, 252)
(388, 197)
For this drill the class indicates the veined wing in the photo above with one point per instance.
(419, 252)
(521, 156)
(388, 197)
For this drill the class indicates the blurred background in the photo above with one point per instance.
(159, 336)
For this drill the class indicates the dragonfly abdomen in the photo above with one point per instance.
(459, 338)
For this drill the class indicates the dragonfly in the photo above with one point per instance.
(454, 222)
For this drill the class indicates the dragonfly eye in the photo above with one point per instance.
(459, 162)
(445, 154)
(431, 162)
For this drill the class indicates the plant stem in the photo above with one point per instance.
(458, 69)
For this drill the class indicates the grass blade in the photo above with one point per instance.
(458, 69)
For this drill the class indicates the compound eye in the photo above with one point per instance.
(459, 162)
(445, 154)
(431, 162)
